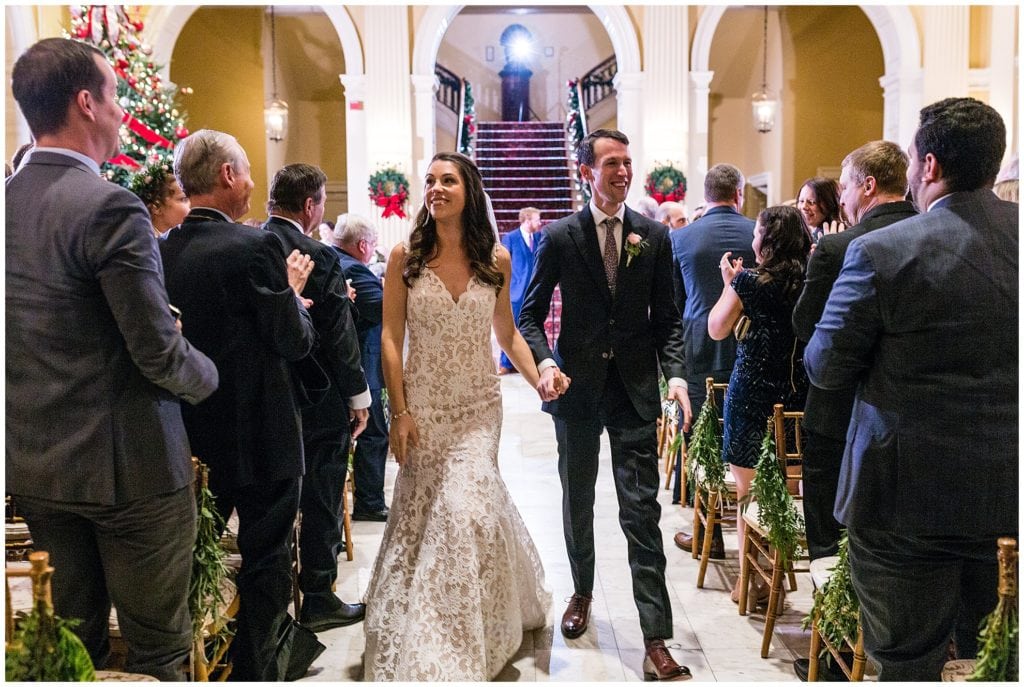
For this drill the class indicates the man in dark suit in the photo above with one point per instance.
(240, 306)
(923, 323)
(697, 253)
(97, 456)
(522, 244)
(296, 206)
(620, 331)
(873, 186)
(355, 241)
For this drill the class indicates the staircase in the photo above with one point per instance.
(524, 164)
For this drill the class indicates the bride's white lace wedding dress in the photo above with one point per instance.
(457, 578)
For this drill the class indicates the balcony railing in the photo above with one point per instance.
(449, 89)
(596, 85)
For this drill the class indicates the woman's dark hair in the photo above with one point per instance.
(785, 245)
(478, 237)
(826, 192)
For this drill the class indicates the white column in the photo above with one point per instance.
(666, 63)
(698, 163)
(1003, 67)
(388, 106)
(903, 99)
(424, 135)
(629, 91)
(947, 37)
(356, 166)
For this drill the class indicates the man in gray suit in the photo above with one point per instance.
(697, 252)
(923, 322)
(97, 456)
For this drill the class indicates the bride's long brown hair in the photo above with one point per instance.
(478, 237)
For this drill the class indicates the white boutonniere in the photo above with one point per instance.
(634, 247)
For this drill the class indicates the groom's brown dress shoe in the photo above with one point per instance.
(576, 616)
(659, 666)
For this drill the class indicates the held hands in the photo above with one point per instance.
(403, 436)
(553, 383)
(300, 266)
(730, 267)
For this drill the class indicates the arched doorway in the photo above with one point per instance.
(430, 32)
(901, 81)
(163, 28)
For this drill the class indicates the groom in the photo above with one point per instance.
(619, 323)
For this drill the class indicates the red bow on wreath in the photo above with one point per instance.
(392, 204)
(663, 198)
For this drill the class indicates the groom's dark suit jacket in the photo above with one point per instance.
(640, 327)
(231, 284)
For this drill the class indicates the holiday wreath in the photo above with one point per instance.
(389, 189)
(666, 183)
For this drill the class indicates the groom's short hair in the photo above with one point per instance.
(585, 151)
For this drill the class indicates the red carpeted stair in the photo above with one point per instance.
(524, 164)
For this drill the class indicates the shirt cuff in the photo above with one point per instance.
(545, 364)
(677, 381)
(361, 401)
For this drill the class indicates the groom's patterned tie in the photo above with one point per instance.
(611, 252)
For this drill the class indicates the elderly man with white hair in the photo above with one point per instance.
(355, 240)
(672, 214)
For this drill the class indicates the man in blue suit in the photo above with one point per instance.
(923, 323)
(697, 252)
(355, 241)
(522, 244)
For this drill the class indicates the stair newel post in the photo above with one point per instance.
(583, 108)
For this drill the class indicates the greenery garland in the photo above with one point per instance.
(468, 121)
(836, 605)
(705, 449)
(997, 658)
(776, 511)
(574, 128)
(209, 569)
(666, 183)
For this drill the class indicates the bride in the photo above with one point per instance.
(457, 579)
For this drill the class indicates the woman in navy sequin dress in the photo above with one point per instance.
(769, 359)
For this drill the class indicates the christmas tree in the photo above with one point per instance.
(153, 119)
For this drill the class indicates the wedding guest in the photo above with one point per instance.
(157, 188)
(1007, 186)
(96, 457)
(522, 245)
(329, 423)
(648, 207)
(239, 294)
(873, 184)
(355, 243)
(457, 579)
(672, 215)
(818, 201)
(696, 253)
(923, 322)
(769, 366)
(620, 332)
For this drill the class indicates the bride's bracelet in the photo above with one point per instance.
(395, 416)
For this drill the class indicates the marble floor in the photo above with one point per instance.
(710, 636)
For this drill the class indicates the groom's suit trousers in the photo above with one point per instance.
(635, 469)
